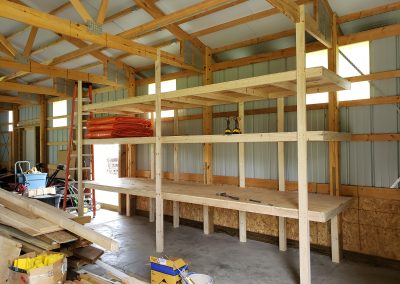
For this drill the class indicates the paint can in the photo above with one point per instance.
(201, 278)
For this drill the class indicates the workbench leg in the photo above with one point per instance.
(242, 226)
(335, 240)
(175, 213)
(208, 219)
(282, 234)
(128, 205)
(152, 209)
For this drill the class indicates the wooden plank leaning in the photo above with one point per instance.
(57, 217)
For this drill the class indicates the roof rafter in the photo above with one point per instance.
(10, 86)
(30, 41)
(37, 18)
(56, 72)
(156, 13)
(81, 10)
(102, 12)
(7, 45)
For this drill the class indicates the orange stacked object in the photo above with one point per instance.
(117, 127)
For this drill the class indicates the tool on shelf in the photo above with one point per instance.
(228, 130)
(224, 194)
(236, 130)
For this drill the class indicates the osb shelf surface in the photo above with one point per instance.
(271, 86)
(322, 207)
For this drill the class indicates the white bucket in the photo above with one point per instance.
(201, 278)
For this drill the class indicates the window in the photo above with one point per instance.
(166, 86)
(358, 54)
(60, 109)
(317, 59)
(10, 121)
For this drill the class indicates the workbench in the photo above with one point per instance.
(322, 207)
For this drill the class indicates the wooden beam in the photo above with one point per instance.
(81, 10)
(7, 45)
(156, 13)
(376, 137)
(58, 25)
(30, 41)
(55, 72)
(173, 17)
(43, 129)
(281, 170)
(236, 22)
(242, 176)
(158, 158)
(369, 12)
(9, 86)
(102, 12)
(15, 100)
(254, 41)
(304, 225)
(79, 150)
(287, 7)
(369, 35)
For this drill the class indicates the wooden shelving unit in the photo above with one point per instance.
(301, 206)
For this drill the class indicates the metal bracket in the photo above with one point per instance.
(94, 28)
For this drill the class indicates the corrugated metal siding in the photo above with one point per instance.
(374, 163)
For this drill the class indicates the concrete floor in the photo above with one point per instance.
(223, 257)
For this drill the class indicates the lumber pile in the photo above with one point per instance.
(28, 225)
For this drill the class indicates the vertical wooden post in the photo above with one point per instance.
(281, 170)
(130, 149)
(334, 147)
(175, 206)
(43, 130)
(152, 175)
(159, 199)
(242, 176)
(80, 151)
(208, 217)
(15, 136)
(304, 229)
(333, 117)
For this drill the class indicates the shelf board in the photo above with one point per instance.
(237, 138)
(263, 87)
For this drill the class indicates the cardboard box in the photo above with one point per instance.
(52, 274)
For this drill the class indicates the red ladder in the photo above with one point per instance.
(91, 194)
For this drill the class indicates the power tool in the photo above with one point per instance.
(236, 130)
(228, 130)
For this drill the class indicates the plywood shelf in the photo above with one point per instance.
(271, 86)
(238, 138)
(322, 207)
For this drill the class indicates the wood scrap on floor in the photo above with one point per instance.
(14, 233)
(89, 253)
